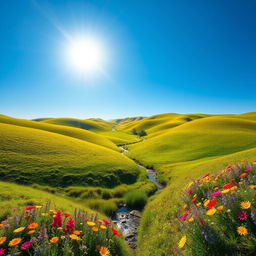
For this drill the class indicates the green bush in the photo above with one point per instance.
(136, 199)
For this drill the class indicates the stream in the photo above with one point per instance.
(128, 220)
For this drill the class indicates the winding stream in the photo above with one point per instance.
(127, 220)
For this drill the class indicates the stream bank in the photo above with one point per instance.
(128, 220)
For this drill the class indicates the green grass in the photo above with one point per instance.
(136, 199)
(64, 130)
(30, 156)
(15, 196)
(92, 125)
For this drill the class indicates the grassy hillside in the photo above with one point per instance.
(15, 196)
(120, 138)
(34, 156)
(95, 125)
(68, 131)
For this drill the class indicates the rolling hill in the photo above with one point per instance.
(64, 130)
(29, 155)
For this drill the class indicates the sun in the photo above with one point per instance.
(85, 55)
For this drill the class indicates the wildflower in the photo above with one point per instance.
(209, 234)
(2, 239)
(95, 229)
(75, 237)
(233, 188)
(220, 208)
(44, 214)
(54, 240)
(62, 237)
(30, 232)
(32, 225)
(66, 214)
(198, 204)
(17, 230)
(206, 202)
(115, 232)
(103, 227)
(211, 204)
(225, 191)
(84, 247)
(191, 219)
(28, 208)
(194, 199)
(2, 251)
(76, 232)
(14, 242)
(185, 206)
(245, 205)
(1, 225)
(104, 251)
(242, 215)
(57, 220)
(38, 206)
(184, 216)
(216, 193)
(252, 186)
(26, 245)
(90, 223)
(206, 175)
(248, 170)
(182, 242)
(243, 175)
(70, 226)
(27, 217)
(229, 185)
(211, 212)
(242, 231)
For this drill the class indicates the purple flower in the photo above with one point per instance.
(84, 247)
(2, 251)
(242, 215)
(26, 245)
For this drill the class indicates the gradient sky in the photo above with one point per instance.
(160, 56)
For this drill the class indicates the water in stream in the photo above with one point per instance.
(127, 220)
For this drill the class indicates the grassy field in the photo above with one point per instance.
(30, 156)
(64, 130)
(96, 125)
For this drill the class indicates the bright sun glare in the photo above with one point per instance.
(85, 55)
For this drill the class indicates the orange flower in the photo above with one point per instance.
(95, 229)
(2, 239)
(54, 240)
(76, 232)
(14, 242)
(30, 232)
(243, 175)
(104, 251)
(32, 225)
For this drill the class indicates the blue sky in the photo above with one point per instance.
(159, 56)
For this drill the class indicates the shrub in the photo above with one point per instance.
(219, 214)
(136, 199)
(108, 207)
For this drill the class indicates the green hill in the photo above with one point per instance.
(96, 125)
(35, 156)
(68, 131)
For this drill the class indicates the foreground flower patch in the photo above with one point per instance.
(39, 230)
(219, 215)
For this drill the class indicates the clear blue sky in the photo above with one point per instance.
(160, 56)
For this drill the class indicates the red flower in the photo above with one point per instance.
(228, 186)
(243, 175)
(27, 217)
(189, 192)
(248, 170)
(115, 232)
(206, 175)
(66, 214)
(70, 226)
(57, 220)
(194, 199)
(26, 245)
(242, 215)
(30, 207)
(211, 204)
(232, 179)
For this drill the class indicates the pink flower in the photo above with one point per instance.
(242, 215)
(106, 222)
(2, 251)
(216, 193)
(57, 220)
(184, 216)
(248, 170)
(70, 226)
(26, 245)
(189, 192)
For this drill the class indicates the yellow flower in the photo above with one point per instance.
(245, 205)
(185, 206)
(252, 186)
(75, 237)
(182, 242)
(220, 208)
(44, 214)
(17, 230)
(30, 232)
(242, 231)
(95, 229)
(206, 202)
(103, 227)
(191, 219)
(90, 223)
(2, 239)
(38, 206)
(104, 251)
(14, 242)
(211, 211)
(54, 240)
(225, 191)
(198, 204)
